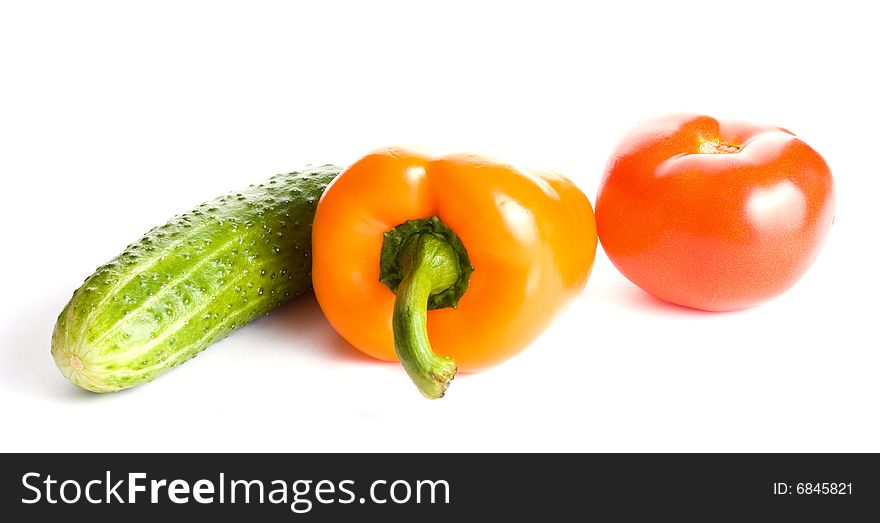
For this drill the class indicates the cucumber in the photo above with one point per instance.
(190, 282)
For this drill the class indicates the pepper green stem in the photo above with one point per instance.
(428, 266)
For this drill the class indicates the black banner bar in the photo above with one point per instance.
(429, 487)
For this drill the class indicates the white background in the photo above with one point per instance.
(115, 116)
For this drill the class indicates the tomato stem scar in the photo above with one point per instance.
(718, 148)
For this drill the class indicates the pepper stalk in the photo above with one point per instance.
(427, 266)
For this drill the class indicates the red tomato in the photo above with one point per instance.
(714, 215)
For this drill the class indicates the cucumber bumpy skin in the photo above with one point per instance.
(190, 282)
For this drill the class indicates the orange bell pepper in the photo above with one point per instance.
(473, 255)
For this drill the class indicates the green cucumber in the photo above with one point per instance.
(190, 282)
